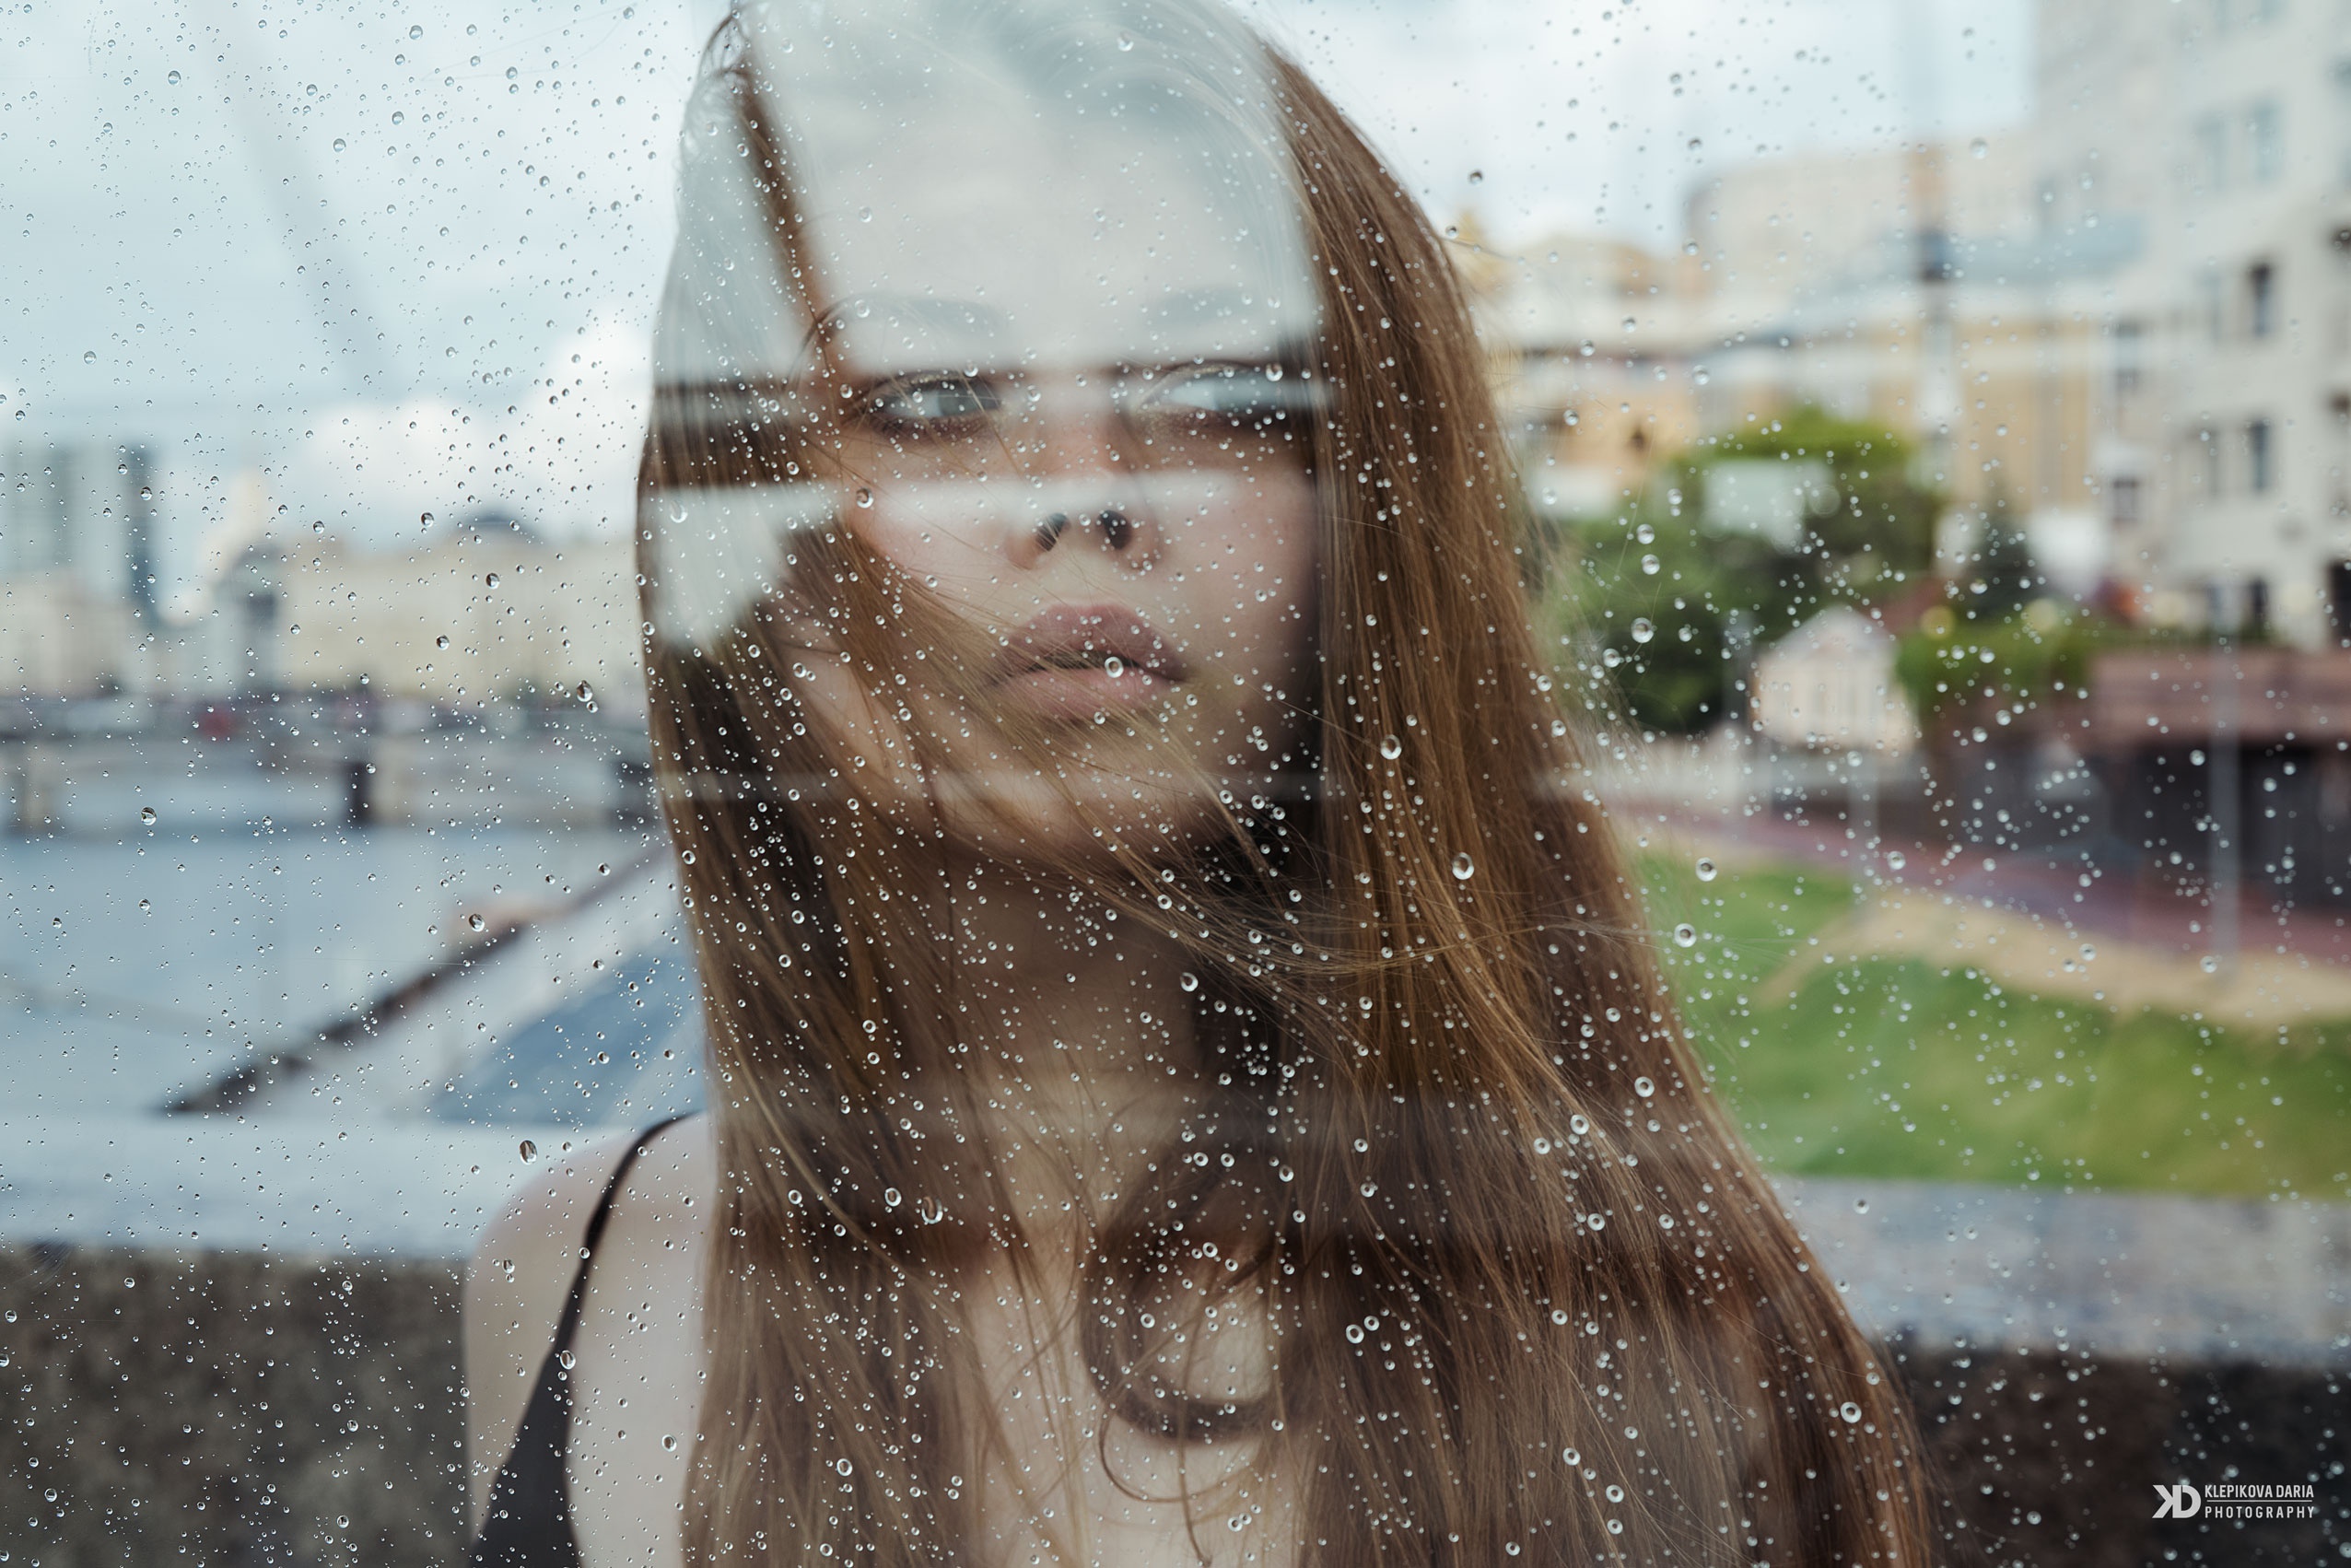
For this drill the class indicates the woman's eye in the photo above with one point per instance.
(932, 400)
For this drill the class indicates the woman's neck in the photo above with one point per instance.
(1080, 1021)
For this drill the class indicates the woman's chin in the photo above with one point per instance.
(1089, 811)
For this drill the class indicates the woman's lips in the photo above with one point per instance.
(1078, 660)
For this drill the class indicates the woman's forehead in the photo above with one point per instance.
(1005, 185)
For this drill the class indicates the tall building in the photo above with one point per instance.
(77, 567)
(2224, 425)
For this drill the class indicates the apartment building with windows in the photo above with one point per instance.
(2224, 416)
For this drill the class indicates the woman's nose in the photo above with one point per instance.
(1076, 431)
(1118, 530)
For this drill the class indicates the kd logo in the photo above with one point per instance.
(2180, 1501)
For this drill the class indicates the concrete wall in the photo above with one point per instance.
(242, 1408)
(228, 1409)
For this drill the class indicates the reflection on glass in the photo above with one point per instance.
(1180, 805)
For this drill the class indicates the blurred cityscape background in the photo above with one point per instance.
(1947, 511)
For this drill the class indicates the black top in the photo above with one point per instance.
(528, 1523)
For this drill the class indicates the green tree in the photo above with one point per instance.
(1658, 604)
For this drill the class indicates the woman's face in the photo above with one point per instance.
(1129, 555)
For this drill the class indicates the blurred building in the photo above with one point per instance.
(77, 568)
(1831, 684)
(1918, 288)
(481, 611)
(1590, 343)
(2226, 126)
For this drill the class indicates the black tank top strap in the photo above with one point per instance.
(528, 1522)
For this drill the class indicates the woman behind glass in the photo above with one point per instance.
(1189, 1081)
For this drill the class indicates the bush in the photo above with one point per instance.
(1660, 608)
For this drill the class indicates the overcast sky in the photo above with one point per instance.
(401, 259)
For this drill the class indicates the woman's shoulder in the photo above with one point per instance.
(528, 1256)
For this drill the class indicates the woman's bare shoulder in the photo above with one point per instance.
(527, 1257)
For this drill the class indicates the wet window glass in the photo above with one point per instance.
(1166, 781)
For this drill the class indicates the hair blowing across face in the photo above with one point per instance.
(1531, 1300)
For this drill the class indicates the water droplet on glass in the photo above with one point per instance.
(475, 922)
(843, 1467)
(173, 78)
(1705, 869)
(529, 1150)
(339, 143)
(1979, 147)
(147, 815)
(584, 692)
(2211, 964)
(1642, 629)
(1191, 981)
(441, 641)
(1113, 667)
(491, 580)
(146, 907)
(931, 1208)
(2088, 953)
(1477, 177)
(1646, 534)
(864, 496)
(1390, 747)
(1649, 565)
(1685, 935)
(89, 356)
(1464, 868)
(1895, 859)
(1644, 1087)
(669, 1442)
(415, 32)
(1124, 42)
(891, 1198)
(1861, 1205)
(1851, 1412)
(567, 1361)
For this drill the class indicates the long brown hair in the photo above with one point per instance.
(1530, 1296)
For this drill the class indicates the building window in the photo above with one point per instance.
(2124, 499)
(2130, 356)
(2260, 456)
(2265, 143)
(2343, 99)
(2261, 300)
(2209, 170)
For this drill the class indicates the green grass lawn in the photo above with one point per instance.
(1897, 1066)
